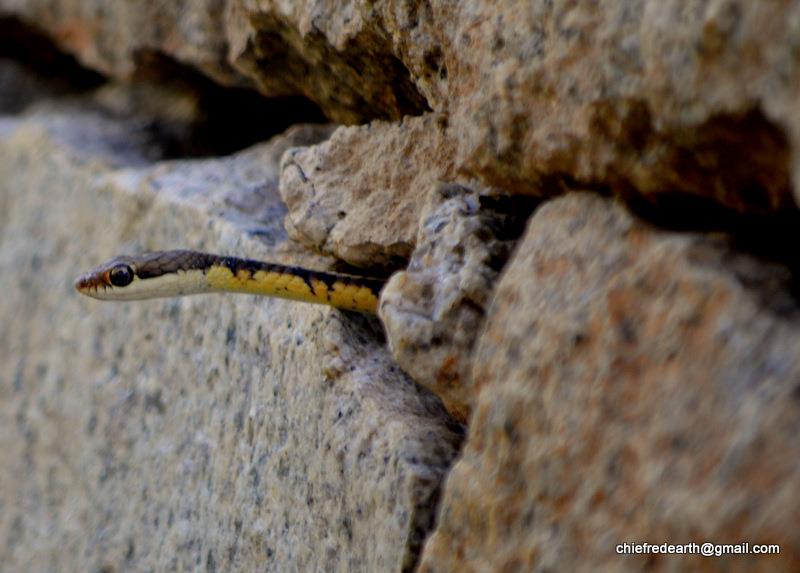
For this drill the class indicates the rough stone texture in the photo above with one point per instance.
(336, 53)
(651, 97)
(636, 385)
(325, 51)
(114, 37)
(214, 433)
(646, 97)
(359, 195)
(434, 309)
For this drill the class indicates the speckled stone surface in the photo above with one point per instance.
(433, 310)
(629, 384)
(360, 194)
(333, 52)
(650, 98)
(636, 385)
(212, 433)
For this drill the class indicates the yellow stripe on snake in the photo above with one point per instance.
(175, 273)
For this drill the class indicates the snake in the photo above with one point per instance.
(180, 272)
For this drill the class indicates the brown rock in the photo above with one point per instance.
(336, 53)
(112, 37)
(325, 51)
(653, 98)
(636, 385)
(416, 30)
(359, 194)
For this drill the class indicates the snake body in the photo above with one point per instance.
(174, 273)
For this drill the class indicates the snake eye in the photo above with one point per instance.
(121, 275)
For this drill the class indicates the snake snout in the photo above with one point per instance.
(85, 282)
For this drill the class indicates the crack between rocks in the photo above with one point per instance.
(186, 113)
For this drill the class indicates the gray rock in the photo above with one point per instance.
(214, 432)
(433, 311)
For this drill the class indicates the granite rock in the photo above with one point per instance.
(627, 383)
(333, 53)
(635, 385)
(337, 53)
(118, 38)
(433, 310)
(359, 195)
(651, 98)
(210, 432)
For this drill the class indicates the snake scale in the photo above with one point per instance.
(175, 273)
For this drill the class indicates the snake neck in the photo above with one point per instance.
(347, 292)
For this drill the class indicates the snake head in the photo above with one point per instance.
(150, 275)
(109, 280)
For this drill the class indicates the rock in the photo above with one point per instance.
(32, 68)
(433, 311)
(636, 385)
(213, 432)
(359, 194)
(337, 54)
(645, 99)
(324, 51)
(624, 383)
(651, 98)
(115, 38)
